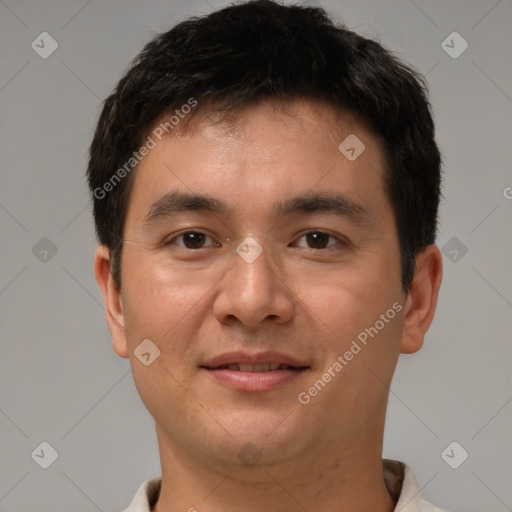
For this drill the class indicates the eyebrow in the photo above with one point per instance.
(176, 202)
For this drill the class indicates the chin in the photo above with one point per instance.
(271, 436)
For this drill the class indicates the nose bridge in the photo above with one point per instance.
(253, 266)
(253, 289)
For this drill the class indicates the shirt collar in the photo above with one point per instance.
(399, 478)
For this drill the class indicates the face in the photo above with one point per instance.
(289, 257)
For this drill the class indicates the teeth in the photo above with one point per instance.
(274, 366)
(247, 367)
(262, 367)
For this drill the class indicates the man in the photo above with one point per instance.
(266, 187)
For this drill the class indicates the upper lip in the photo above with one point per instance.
(257, 358)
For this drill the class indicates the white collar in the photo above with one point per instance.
(398, 476)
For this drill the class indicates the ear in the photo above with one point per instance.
(421, 302)
(112, 298)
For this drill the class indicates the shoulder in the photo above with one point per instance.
(404, 488)
(146, 495)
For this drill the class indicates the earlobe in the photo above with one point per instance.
(422, 299)
(112, 298)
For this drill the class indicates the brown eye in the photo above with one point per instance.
(189, 240)
(193, 240)
(318, 240)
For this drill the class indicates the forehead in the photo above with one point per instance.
(262, 152)
(310, 116)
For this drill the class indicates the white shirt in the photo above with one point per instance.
(399, 478)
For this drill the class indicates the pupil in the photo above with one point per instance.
(317, 238)
(193, 238)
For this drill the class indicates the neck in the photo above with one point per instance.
(344, 478)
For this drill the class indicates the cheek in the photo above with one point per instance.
(163, 313)
(368, 345)
(359, 314)
(353, 296)
(156, 301)
(150, 311)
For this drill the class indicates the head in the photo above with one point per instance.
(229, 119)
(265, 51)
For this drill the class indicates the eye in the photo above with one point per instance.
(319, 240)
(190, 239)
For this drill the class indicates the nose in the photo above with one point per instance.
(253, 292)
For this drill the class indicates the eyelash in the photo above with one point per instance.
(339, 240)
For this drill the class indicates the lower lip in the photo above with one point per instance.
(254, 381)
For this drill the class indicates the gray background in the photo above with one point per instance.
(60, 380)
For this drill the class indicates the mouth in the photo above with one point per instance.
(252, 373)
(259, 368)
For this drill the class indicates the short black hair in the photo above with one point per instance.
(261, 50)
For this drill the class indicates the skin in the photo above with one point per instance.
(305, 301)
